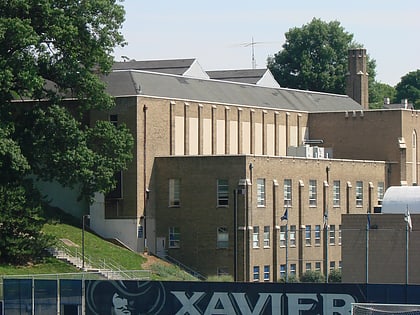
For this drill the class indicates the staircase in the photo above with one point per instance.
(106, 270)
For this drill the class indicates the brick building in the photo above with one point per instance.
(216, 165)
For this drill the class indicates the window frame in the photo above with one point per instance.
(336, 193)
(287, 192)
(359, 193)
(266, 234)
(256, 273)
(174, 237)
(261, 192)
(283, 230)
(266, 271)
(308, 235)
(380, 192)
(222, 193)
(292, 236)
(312, 193)
(222, 241)
(174, 193)
(331, 236)
(255, 237)
(317, 235)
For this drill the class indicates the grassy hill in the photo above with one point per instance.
(98, 252)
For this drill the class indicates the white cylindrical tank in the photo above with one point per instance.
(398, 198)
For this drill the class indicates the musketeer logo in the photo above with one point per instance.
(266, 303)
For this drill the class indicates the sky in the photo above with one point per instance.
(219, 33)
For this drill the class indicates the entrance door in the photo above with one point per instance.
(161, 246)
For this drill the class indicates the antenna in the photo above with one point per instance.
(252, 44)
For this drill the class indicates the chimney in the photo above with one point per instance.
(357, 77)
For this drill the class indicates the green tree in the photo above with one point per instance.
(315, 57)
(409, 88)
(52, 51)
(312, 276)
(378, 92)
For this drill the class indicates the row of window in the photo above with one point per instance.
(223, 192)
(312, 237)
(292, 270)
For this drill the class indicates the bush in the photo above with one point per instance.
(312, 276)
(334, 276)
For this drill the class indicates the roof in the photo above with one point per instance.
(261, 77)
(398, 198)
(134, 82)
(186, 67)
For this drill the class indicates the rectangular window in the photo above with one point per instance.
(113, 119)
(222, 237)
(266, 236)
(174, 192)
(282, 271)
(266, 273)
(174, 237)
(336, 193)
(287, 192)
(381, 191)
(312, 193)
(339, 234)
(256, 273)
(332, 234)
(293, 269)
(317, 235)
(317, 266)
(260, 192)
(308, 266)
(222, 193)
(292, 234)
(359, 194)
(256, 237)
(308, 233)
(283, 236)
(332, 265)
(340, 265)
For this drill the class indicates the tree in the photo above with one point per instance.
(52, 51)
(315, 57)
(409, 88)
(334, 276)
(378, 92)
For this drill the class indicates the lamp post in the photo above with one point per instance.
(84, 217)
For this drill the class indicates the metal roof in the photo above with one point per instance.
(134, 82)
(169, 66)
(251, 76)
(397, 199)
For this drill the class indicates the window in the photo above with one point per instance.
(283, 236)
(332, 265)
(308, 240)
(260, 192)
(113, 119)
(293, 269)
(266, 236)
(256, 273)
(332, 234)
(222, 193)
(256, 237)
(282, 271)
(312, 193)
(287, 192)
(340, 265)
(174, 237)
(308, 266)
(292, 235)
(222, 237)
(359, 194)
(174, 187)
(339, 234)
(317, 266)
(266, 273)
(381, 189)
(317, 235)
(336, 193)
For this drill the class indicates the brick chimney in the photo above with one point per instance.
(357, 77)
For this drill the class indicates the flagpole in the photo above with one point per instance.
(406, 252)
(367, 248)
(287, 251)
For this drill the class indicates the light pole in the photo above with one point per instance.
(84, 217)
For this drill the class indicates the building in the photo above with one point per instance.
(209, 149)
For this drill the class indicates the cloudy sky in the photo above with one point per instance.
(219, 33)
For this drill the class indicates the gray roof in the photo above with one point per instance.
(170, 66)
(251, 76)
(133, 82)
